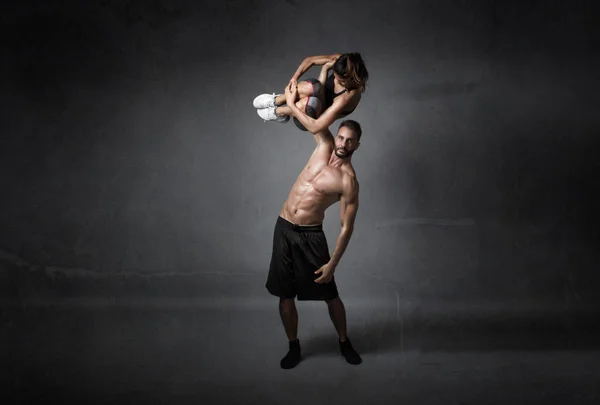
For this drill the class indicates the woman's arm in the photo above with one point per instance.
(323, 75)
(310, 61)
(325, 70)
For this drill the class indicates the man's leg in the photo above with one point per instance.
(281, 283)
(307, 261)
(337, 313)
(289, 317)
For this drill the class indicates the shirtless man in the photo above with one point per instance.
(300, 263)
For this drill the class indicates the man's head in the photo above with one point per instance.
(351, 71)
(347, 139)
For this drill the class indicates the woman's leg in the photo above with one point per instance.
(309, 87)
(310, 105)
(310, 91)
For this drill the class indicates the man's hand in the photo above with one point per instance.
(327, 274)
(291, 92)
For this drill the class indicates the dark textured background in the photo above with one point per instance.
(129, 143)
(134, 169)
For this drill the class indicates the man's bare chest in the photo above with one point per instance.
(324, 180)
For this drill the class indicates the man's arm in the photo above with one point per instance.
(348, 210)
(310, 61)
(322, 137)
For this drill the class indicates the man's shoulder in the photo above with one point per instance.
(349, 180)
(349, 173)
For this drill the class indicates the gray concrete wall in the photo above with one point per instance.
(134, 165)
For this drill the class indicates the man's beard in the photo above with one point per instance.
(343, 153)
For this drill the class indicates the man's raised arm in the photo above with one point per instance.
(291, 94)
(327, 118)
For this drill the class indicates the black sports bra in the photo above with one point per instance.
(330, 85)
(330, 94)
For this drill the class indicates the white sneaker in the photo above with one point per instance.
(268, 114)
(265, 100)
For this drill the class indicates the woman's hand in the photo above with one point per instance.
(330, 64)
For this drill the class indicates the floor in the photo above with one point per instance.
(178, 354)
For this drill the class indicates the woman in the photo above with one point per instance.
(322, 100)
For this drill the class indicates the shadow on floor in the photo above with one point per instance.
(574, 332)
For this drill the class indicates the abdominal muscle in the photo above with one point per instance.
(306, 205)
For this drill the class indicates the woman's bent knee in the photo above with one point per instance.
(310, 105)
(309, 87)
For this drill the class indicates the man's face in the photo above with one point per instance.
(346, 142)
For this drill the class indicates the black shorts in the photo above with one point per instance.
(299, 251)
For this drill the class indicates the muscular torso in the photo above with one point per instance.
(318, 187)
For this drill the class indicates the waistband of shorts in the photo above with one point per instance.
(299, 228)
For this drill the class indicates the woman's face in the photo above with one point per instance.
(337, 80)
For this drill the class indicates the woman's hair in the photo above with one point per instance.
(352, 71)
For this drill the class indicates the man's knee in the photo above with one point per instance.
(333, 301)
(286, 304)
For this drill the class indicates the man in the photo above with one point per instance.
(300, 264)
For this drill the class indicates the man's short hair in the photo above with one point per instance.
(353, 125)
